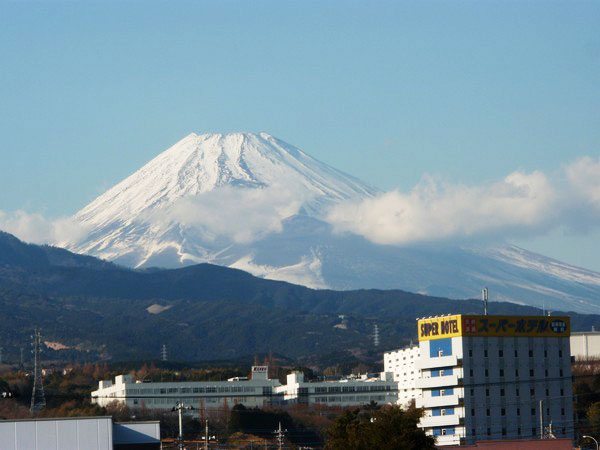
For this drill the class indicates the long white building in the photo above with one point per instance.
(402, 364)
(344, 392)
(258, 391)
(254, 392)
(494, 377)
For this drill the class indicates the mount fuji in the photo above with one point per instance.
(253, 202)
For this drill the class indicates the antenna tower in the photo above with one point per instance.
(21, 365)
(376, 335)
(38, 399)
(163, 353)
(484, 297)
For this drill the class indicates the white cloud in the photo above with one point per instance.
(584, 177)
(35, 228)
(240, 214)
(434, 211)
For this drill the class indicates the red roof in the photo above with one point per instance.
(520, 444)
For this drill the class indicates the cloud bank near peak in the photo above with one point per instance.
(520, 204)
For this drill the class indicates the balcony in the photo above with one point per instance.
(440, 361)
(449, 439)
(440, 421)
(434, 382)
(432, 402)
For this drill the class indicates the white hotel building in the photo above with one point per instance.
(403, 365)
(485, 377)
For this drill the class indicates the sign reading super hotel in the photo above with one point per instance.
(513, 326)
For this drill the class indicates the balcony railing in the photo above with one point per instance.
(440, 361)
(433, 382)
(432, 402)
(440, 421)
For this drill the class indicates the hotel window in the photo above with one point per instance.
(531, 353)
(503, 431)
(501, 392)
(500, 353)
(516, 372)
(532, 392)
(489, 431)
(545, 353)
(470, 352)
(560, 353)
(530, 372)
(485, 353)
(546, 372)
(503, 412)
(516, 354)
(561, 372)
(517, 392)
(533, 411)
(487, 373)
(473, 411)
(487, 412)
(518, 411)
(487, 392)
(562, 392)
(471, 372)
(501, 372)
(547, 392)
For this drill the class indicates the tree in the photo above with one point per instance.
(387, 428)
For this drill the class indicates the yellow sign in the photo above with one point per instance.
(440, 327)
(514, 326)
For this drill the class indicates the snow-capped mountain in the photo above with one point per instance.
(167, 213)
(253, 202)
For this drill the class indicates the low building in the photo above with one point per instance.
(258, 391)
(343, 392)
(254, 392)
(585, 344)
(78, 433)
(402, 364)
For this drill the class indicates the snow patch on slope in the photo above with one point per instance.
(306, 272)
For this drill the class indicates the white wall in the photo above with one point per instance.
(57, 434)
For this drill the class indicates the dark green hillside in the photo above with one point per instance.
(99, 310)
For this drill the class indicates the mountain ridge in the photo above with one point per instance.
(252, 201)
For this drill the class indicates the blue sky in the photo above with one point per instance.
(467, 92)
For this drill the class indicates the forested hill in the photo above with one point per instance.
(202, 311)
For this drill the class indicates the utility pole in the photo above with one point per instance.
(38, 399)
(206, 435)
(541, 419)
(280, 435)
(180, 407)
(376, 336)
